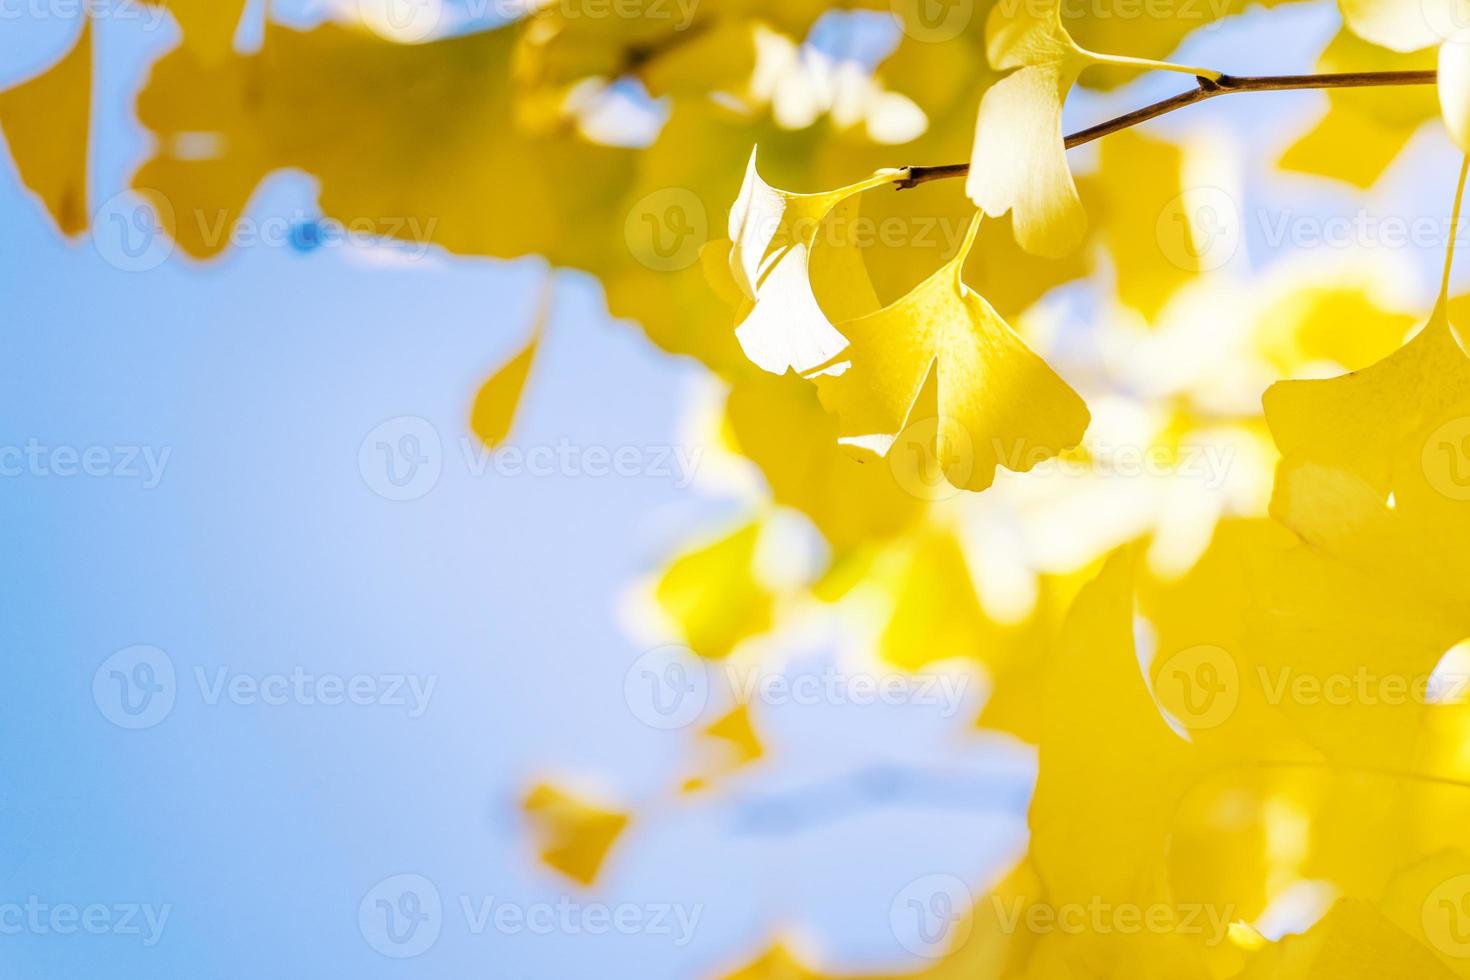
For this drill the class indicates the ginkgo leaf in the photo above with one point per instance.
(208, 25)
(779, 424)
(46, 121)
(1136, 218)
(1409, 27)
(494, 410)
(737, 744)
(1104, 805)
(1454, 90)
(1019, 163)
(489, 188)
(1364, 129)
(1305, 327)
(936, 614)
(942, 353)
(573, 836)
(1372, 478)
(735, 729)
(774, 233)
(714, 595)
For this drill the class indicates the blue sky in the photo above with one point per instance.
(260, 548)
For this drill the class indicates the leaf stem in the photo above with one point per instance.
(1128, 62)
(1204, 89)
(1449, 257)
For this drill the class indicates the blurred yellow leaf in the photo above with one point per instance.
(780, 425)
(574, 836)
(714, 596)
(936, 614)
(208, 25)
(1139, 216)
(494, 410)
(1364, 129)
(46, 121)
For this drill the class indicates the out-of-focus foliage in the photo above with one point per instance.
(1184, 642)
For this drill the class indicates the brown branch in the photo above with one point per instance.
(1204, 89)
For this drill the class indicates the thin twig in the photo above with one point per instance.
(1204, 89)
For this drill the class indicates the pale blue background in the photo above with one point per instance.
(264, 550)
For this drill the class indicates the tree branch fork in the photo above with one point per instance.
(1205, 88)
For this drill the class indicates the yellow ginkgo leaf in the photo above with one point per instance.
(1364, 129)
(1151, 233)
(46, 121)
(1304, 326)
(1454, 90)
(1375, 475)
(1104, 806)
(936, 614)
(1411, 26)
(714, 596)
(573, 836)
(494, 410)
(489, 188)
(736, 743)
(778, 423)
(774, 234)
(1019, 163)
(942, 354)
